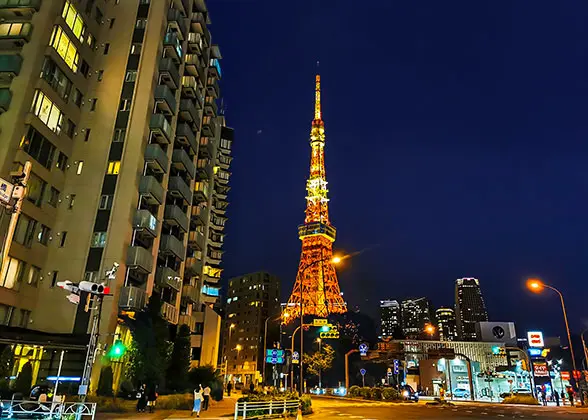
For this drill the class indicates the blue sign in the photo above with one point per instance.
(363, 349)
(274, 353)
(534, 352)
(362, 371)
(295, 356)
(396, 367)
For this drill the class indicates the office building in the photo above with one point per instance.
(115, 103)
(251, 300)
(416, 314)
(390, 318)
(446, 324)
(469, 308)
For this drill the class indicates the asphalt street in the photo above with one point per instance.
(333, 409)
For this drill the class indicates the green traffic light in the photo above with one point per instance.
(117, 349)
(495, 350)
(325, 328)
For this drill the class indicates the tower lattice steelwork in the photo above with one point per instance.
(316, 290)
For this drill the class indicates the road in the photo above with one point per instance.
(334, 409)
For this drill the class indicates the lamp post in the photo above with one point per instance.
(284, 315)
(319, 341)
(537, 286)
(227, 357)
(584, 348)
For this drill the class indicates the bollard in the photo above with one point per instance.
(299, 414)
(271, 408)
(245, 410)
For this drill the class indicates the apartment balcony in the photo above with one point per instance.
(5, 99)
(208, 127)
(178, 188)
(206, 146)
(190, 293)
(224, 161)
(10, 65)
(16, 33)
(165, 100)
(169, 73)
(151, 190)
(211, 291)
(210, 107)
(182, 162)
(213, 260)
(195, 43)
(188, 320)
(219, 210)
(200, 192)
(170, 245)
(203, 170)
(174, 216)
(221, 191)
(185, 136)
(212, 88)
(140, 259)
(189, 86)
(160, 128)
(188, 111)
(169, 312)
(196, 239)
(132, 298)
(177, 22)
(194, 67)
(156, 159)
(145, 222)
(222, 176)
(198, 25)
(212, 280)
(166, 277)
(193, 267)
(216, 240)
(11, 8)
(173, 46)
(199, 215)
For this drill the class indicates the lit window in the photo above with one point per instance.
(113, 168)
(47, 111)
(33, 275)
(14, 29)
(12, 273)
(72, 201)
(98, 240)
(65, 48)
(74, 21)
(80, 167)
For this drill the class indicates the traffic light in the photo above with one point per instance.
(331, 333)
(325, 328)
(498, 351)
(118, 349)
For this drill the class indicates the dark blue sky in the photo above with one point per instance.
(457, 145)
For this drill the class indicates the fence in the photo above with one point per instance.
(264, 408)
(47, 410)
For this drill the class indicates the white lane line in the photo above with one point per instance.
(469, 411)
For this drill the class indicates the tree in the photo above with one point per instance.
(207, 375)
(179, 365)
(319, 361)
(6, 362)
(105, 382)
(24, 379)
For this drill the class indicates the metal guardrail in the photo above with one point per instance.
(264, 408)
(15, 409)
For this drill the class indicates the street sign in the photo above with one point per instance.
(363, 349)
(274, 353)
(389, 372)
(396, 367)
(274, 360)
(295, 358)
(319, 322)
(5, 191)
(362, 371)
(330, 334)
(73, 298)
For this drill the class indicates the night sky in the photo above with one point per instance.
(457, 145)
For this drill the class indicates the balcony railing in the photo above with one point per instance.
(193, 267)
(160, 128)
(189, 86)
(208, 127)
(5, 99)
(169, 72)
(195, 42)
(169, 312)
(132, 298)
(165, 99)
(190, 292)
(140, 259)
(16, 31)
(188, 110)
(170, 245)
(19, 5)
(174, 215)
(206, 146)
(196, 238)
(10, 64)
(188, 320)
(178, 188)
(212, 88)
(144, 221)
(199, 25)
(156, 158)
(151, 190)
(200, 191)
(203, 170)
(194, 66)
(173, 46)
(165, 276)
(185, 135)
(210, 106)
(175, 20)
(199, 215)
(182, 162)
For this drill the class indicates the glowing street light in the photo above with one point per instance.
(430, 329)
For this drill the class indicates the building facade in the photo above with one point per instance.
(390, 318)
(446, 324)
(469, 308)
(115, 103)
(416, 314)
(251, 300)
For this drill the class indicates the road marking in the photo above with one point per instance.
(469, 411)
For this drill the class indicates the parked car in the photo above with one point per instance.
(408, 393)
(461, 393)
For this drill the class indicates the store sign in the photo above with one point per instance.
(534, 352)
(540, 369)
(565, 376)
(535, 339)
(5, 191)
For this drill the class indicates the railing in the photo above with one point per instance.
(265, 408)
(49, 410)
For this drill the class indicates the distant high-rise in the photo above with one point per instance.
(446, 324)
(416, 313)
(390, 317)
(469, 308)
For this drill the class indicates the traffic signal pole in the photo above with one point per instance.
(91, 353)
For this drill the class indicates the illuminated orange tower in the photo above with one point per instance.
(316, 290)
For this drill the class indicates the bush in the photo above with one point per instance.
(390, 394)
(521, 399)
(110, 405)
(354, 391)
(105, 383)
(175, 402)
(24, 379)
(127, 390)
(376, 393)
(365, 392)
(306, 404)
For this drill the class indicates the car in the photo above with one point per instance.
(408, 393)
(38, 390)
(461, 393)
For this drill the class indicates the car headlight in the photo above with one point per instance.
(405, 393)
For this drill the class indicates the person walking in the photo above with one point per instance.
(197, 402)
(206, 396)
(571, 395)
(229, 388)
(151, 398)
(141, 399)
(556, 396)
(544, 395)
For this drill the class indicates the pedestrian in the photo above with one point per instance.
(197, 401)
(571, 395)
(151, 398)
(206, 396)
(556, 396)
(251, 387)
(544, 396)
(229, 388)
(563, 398)
(141, 399)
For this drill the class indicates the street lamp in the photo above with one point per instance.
(284, 316)
(319, 341)
(430, 329)
(585, 349)
(228, 347)
(537, 286)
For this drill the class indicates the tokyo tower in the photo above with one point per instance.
(316, 291)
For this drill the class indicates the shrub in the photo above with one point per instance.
(376, 393)
(354, 391)
(390, 394)
(521, 399)
(24, 379)
(175, 402)
(127, 390)
(365, 392)
(105, 382)
(306, 404)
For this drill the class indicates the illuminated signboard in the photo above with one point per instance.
(534, 352)
(565, 376)
(535, 339)
(540, 369)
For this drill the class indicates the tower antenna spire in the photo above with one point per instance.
(317, 97)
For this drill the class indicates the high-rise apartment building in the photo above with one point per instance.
(469, 308)
(115, 103)
(252, 300)
(446, 324)
(390, 318)
(416, 314)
